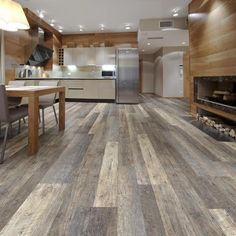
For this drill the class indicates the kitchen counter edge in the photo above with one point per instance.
(102, 78)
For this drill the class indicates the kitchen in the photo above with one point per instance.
(87, 73)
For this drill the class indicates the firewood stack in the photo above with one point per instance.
(214, 122)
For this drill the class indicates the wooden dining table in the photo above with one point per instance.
(33, 93)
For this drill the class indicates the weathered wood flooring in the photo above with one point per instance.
(120, 170)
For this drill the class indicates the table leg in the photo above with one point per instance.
(62, 110)
(33, 125)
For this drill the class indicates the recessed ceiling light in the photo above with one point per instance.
(60, 30)
(148, 44)
(81, 28)
(183, 43)
(102, 27)
(127, 27)
(52, 23)
(41, 13)
(176, 14)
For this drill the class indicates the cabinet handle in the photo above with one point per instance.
(76, 88)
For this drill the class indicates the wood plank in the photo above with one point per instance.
(38, 209)
(130, 219)
(106, 196)
(152, 218)
(36, 20)
(165, 195)
(225, 221)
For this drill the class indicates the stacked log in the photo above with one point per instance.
(215, 123)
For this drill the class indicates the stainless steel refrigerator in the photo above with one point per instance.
(127, 75)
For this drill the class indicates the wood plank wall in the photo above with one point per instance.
(19, 46)
(16, 51)
(187, 77)
(212, 30)
(98, 39)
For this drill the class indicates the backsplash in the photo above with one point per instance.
(89, 71)
(76, 71)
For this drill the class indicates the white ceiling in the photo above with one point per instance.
(114, 14)
(170, 38)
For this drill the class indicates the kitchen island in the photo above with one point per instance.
(82, 89)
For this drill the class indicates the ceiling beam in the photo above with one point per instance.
(35, 20)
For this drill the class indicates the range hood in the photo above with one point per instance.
(40, 54)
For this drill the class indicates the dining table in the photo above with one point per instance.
(33, 93)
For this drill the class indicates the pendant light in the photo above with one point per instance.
(12, 16)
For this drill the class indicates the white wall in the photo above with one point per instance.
(158, 73)
(147, 73)
(168, 79)
(173, 85)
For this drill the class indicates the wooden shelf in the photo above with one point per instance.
(218, 112)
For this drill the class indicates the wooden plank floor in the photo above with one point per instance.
(120, 170)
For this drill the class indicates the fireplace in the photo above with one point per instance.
(218, 93)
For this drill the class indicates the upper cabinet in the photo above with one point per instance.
(68, 56)
(89, 56)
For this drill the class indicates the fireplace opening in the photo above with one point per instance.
(217, 92)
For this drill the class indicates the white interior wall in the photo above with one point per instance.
(168, 78)
(147, 73)
(173, 85)
(158, 73)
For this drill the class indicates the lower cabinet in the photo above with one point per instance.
(89, 89)
(85, 89)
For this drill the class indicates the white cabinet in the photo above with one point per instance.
(89, 56)
(84, 88)
(105, 56)
(100, 56)
(69, 56)
(79, 56)
(74, 88)
(109, 58)
(89, 89)
(106, 89)
(84, 56)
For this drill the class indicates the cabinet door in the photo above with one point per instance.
(106, 89)
(91, 56)
(80, 56)
(109, 56)
(91, 89)
(69, 56)
(100, 56)
(75, 89)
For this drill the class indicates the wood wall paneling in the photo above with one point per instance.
(19, 45)
(36, 21)
(187, 77)
(212, 28)
(212, 31)
(99, 39)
